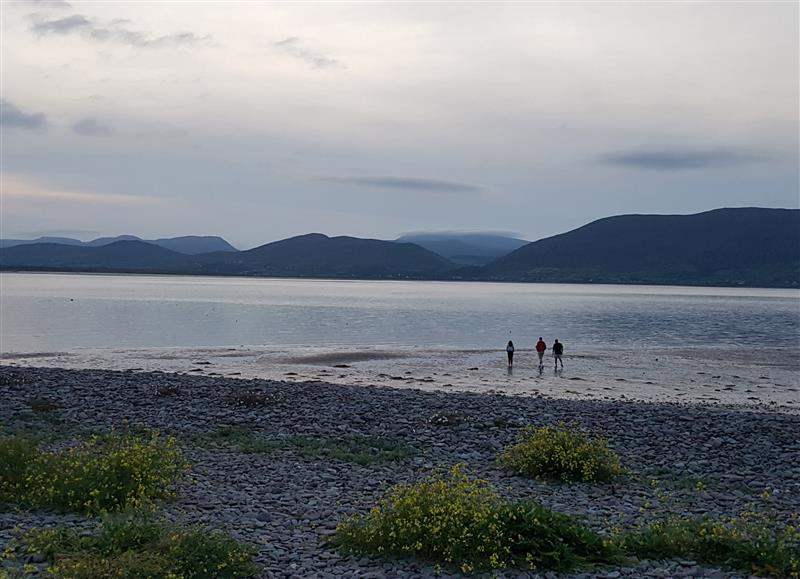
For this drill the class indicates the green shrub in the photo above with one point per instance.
(17, 455)
(559, 452)
(462, 522)
(137, 547)
(102, 474)
(750, 543)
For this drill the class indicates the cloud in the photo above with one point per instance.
(679, 159)
(291, 46)
(116, 31)
(405, 183)
(64, 25)
(91, 127)
(51, 3)
(11, 116)
(16, 187)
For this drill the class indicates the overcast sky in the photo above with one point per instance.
(258, 121)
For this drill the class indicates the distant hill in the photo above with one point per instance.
(465, 248)
(194, 244)
(317, 255)
(190, 244)
(743, 246)
(59, 240)
(725, 247)
(116, 256)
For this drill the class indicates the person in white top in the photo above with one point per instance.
(510, 352)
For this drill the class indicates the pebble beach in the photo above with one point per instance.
(682, 458)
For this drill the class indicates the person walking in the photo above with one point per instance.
(558, 350)
(510, 352)
(540, 349)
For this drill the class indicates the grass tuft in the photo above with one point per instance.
(562, 453)
(355, 449)
(137, 546)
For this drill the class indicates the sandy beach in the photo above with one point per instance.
(766, 378)
(684, 458)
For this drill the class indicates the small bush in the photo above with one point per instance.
(135, 546)
(11, 378)
(166, 391)
(103, 474)
(558, 452)
(249, 398)
(750, 543)
(17, 455)
(43, 405)
(447, 418)
(463, 523)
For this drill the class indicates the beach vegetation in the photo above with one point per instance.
(561, 452)
(240, 439)
(139, 546)
(460, 522)
(354, 449)
(11, 378)
(166, 391)
(751, 542)
(249, 398)
(447, 418)
(43, 405)
(106, 473)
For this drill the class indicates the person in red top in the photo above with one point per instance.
(540, 348)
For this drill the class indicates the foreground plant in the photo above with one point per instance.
(137, 546)
(563, 453)
(453, 520)
(752, 543)
(102, 474)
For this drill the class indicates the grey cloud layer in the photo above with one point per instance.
(91, 127)
(406, 183)
(291, 46)
(116, 31)
(11, 116)
(680, 159)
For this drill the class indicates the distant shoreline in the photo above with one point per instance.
(567, 281)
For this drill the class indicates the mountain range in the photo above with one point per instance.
(188, 244)
(728, 247)
(465, 248)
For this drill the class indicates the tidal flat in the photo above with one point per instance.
(279, 464)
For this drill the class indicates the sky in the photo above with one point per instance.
(257, 121)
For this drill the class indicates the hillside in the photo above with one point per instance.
(188, 244)
(317, 255)
(743, 246)
(117, 256)
(465, 248)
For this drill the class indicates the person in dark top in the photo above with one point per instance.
(540, 349)
(510, 352)
(558, 350)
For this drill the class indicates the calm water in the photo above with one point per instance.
(57, 312)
